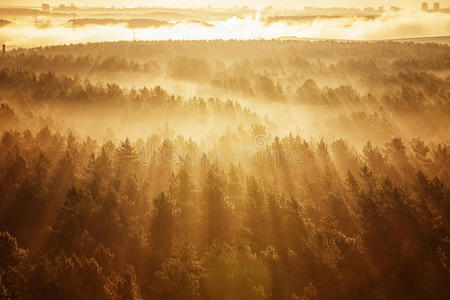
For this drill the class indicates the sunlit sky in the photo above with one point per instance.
(228, 3)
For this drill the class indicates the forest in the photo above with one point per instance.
(259, 169)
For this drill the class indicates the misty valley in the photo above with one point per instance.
(237, 169)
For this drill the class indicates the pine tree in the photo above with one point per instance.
(127, 159)
(162, 224)
(216, 210)
(181, 273)
(257, 220)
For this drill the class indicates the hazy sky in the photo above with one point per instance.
(225, 3)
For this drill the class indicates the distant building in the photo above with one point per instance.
(436, 6)
(45, 7)
(424, 6)
(67, 7)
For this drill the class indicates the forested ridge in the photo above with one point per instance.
(274, 182)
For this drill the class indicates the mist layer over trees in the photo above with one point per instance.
(225, 170)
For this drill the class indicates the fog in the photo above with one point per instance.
(224, 154)
(389, 25)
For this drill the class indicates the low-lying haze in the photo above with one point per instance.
(25, 32)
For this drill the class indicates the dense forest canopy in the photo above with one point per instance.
(225, 170)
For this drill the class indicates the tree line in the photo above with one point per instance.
(82, 220)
